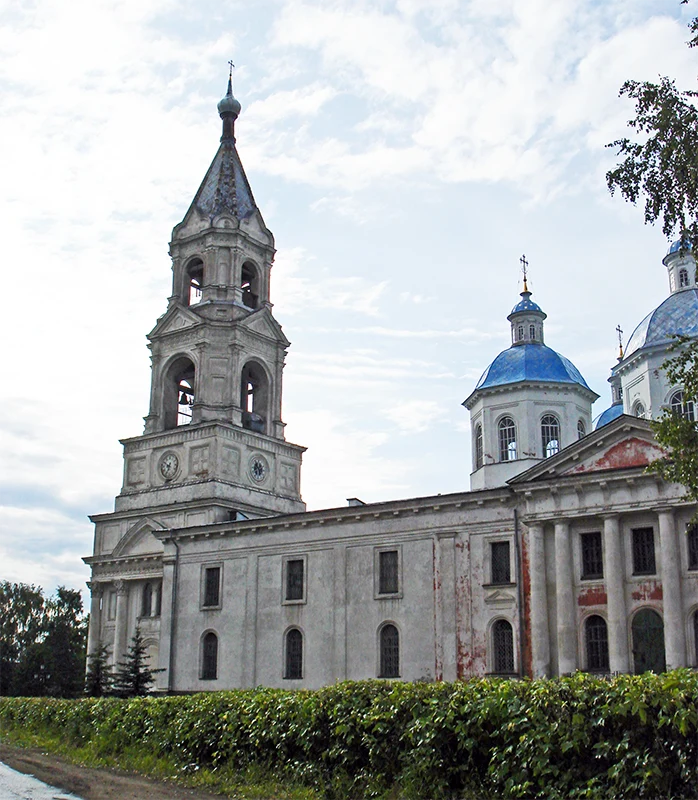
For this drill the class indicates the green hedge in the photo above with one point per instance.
(577, 737)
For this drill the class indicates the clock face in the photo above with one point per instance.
(258, 469)
(169, 466)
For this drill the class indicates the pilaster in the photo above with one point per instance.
(614, 572)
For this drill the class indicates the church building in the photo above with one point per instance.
(565, 554)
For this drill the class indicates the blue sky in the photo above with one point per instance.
(405, 154)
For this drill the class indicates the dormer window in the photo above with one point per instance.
(683, 278)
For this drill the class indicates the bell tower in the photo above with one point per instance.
(214, 437)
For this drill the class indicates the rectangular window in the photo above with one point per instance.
(111, 606)
(501, 562)
(592, 555)
(692, 535)
(388, 572)
(643, 552)
(295, 569)
(212, 587)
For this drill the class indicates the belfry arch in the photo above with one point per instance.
(254, 397)
(178, 392)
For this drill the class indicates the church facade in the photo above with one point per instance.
(566, 554)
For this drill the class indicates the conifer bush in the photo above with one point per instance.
(576, 737)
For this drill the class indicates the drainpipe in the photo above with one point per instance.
(519, 591)
(173, 618)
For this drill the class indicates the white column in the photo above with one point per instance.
(674, 635)
(121, 625)
(94, 634)
(614, 572)
(165, 680)
(540, 631)
(566, 616)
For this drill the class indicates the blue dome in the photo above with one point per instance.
(615, 411)
(530, 362)
(526, 304)
(679, 244)
(678, 314)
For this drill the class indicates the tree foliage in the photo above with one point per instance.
(99, 680)
(134, 678)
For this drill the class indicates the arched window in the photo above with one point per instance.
(596, 635)
(550, 432)
(294, 655)
(254, 396)
(639, 410)
(532, 332)
(478, 447)
(147, 600)
(195, 280)
(581, 429)
(250, 285)
(519, 333)
(209, 657)
(507, 439)
(683, 278)
(681, 406)
(178, 397)
(502, 647)
(389, 652)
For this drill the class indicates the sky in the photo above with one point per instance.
(405, 154)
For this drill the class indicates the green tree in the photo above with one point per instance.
(21, 626)
(100, 676)
(134, 677)
(662, 169)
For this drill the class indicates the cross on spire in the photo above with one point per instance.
(524, 266)
(619, 331)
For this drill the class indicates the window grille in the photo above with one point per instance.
(581, 429)
(212, 584)
(643, 551)
(389, 652)
(503, 647)
(478, 447)
(597, 644)
(692, 535)
(507, 439)
(501, 562)
(683, 407)
(294, 655)
(683, 278)
(388, 582)
(147, 604)
(592, 555)
(639, 410)
(294, 579)
(209, 659)
(520, 333)
(550, 431)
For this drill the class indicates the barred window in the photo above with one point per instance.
(643, 551)
(692, 535)
(388, 582)
(550, 432)
(581, 429)
(294, 655)
(294, 579)
(503, 647)
(147, 600)
(501, 562)
(212, 586)
(389, 652)
(597, 644)
(681, 406)
(478, 447)
(209, 657)
(592, 555)
(507, 439)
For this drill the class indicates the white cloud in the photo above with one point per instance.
(415, 415)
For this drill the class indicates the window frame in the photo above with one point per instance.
(692, 547)
(680, 406)
(493, 543)
(635, 550)
(495, 626)
(581, 429)
(383, 656)
(601, 656)
(287, 655)
(504, 443)
(377, 594)
(584, 575)
(204, 583)
(203, 672)
(285, 600)
(548, 427)
(479, 447)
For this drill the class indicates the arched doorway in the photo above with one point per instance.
(648, 642)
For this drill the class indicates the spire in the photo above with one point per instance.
(229, 109)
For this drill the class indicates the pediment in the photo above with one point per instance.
(263, 323)
(139, 539)
(499, 597)
(625, 443)
(176, 319)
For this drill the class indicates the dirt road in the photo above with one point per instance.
(94, 784)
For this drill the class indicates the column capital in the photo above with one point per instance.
(96, 589)
(121, 588)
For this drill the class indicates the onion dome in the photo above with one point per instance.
(526, 305)
(530, 362)
(677, 315)
(678, 246)
(229, 105)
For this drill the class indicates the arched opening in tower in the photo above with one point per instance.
(250, 285)
(195, 276)
(179, 387)
(254, 397)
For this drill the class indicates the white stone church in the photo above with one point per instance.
(565, 555)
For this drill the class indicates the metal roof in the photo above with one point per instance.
(530, 362)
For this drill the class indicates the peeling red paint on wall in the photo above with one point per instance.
(652, 590)
(632, 452)
(463, 660)
(527, 649)
(593, 596)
